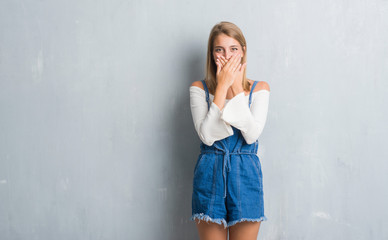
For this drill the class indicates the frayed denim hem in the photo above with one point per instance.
(207, 218)
(263, 218)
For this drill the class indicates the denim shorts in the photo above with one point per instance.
(228, 187)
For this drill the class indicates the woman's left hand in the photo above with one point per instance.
(237, 84)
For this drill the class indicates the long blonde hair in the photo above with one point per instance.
(232, 31)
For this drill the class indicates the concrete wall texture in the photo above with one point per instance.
(97, 139)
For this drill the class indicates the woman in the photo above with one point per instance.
(229, 113)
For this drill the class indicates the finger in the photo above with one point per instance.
(217, 60)
(236, 59)
(242, 68)
(218, 66)
(223, 61)
(230, 63)
(237, 67)
(236, 62)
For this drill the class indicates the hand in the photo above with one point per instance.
(229, 71)
(237, 83)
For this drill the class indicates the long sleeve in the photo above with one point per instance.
(249, 121)
(208, 124)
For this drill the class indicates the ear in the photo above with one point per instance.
(243, 52)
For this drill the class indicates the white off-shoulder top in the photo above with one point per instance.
(215, 124)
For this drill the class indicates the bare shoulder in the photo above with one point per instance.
(197, 84)
(261, 85)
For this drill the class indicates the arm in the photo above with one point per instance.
(251, 121)
(208, 124)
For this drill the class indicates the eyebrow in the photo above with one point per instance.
(221, 46)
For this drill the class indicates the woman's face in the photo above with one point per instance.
(226, 46)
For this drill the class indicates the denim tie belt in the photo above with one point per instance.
(226, 161)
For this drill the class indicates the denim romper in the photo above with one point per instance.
(227, 184)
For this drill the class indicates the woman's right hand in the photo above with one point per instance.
(228, 73)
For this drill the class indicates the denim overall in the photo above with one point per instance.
(227, 184)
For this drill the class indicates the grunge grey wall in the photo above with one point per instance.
(96, 134)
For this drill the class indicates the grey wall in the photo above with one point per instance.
(96, 134)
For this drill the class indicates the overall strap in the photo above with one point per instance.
(250, 94)
(207, 93)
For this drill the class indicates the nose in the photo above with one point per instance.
(227, 55)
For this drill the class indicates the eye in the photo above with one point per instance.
(235, 49)
(218, 49)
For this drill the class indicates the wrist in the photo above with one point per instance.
(222, 88)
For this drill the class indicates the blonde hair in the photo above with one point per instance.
(231, 30)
